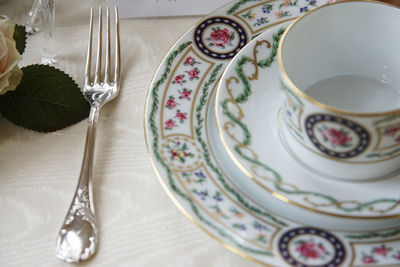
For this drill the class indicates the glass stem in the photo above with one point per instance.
(47, 8)
(34, 22)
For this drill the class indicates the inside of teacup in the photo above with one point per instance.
(347, 56)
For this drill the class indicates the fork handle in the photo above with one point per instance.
(77, 238)
(85, 177)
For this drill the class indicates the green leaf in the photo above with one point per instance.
(20, 38)
(46, 100)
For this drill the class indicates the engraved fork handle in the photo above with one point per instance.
(77, 238)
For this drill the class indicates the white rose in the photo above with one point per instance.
(10, 74)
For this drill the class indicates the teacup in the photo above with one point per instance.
(340, 74)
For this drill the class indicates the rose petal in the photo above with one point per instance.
(10, 74)
(13, 57)
(3, 52)
(4, 82)
(11, 80)
(7, 27)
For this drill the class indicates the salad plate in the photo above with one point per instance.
(200, 177)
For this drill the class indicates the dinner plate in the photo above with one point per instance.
(250, 124)
(199, 176)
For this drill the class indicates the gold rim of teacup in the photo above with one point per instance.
(302, 94)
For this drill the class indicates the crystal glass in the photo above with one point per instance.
(41, 19)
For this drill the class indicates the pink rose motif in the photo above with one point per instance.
(336, 137)
(181, 115)
(194, 73)
(279, 14)
(185, 94)
(382, 250)
(178, 79)
(189, 61)
(169, 124)
(220, 37)
(308, 250)
(368, 259)
(391, 131)
(171, 103)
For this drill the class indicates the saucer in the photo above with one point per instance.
(247, 114)
(201, 179)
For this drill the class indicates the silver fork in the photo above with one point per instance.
(77, 239)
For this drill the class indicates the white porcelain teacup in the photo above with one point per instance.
(340, 74)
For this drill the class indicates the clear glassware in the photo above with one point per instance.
(41, 19)
(34, 22)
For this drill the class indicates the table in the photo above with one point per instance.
(138, 224)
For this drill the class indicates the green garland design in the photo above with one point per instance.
(386, 119)
(238, 4)
(391, 233)
(206, 154)
(200, 120)
(385, 154)
(243, 97)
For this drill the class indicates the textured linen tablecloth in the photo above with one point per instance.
(138, 224)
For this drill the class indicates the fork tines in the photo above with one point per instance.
(108, 80)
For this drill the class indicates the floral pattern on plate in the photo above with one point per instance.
(376, 253)
(389, 138)
(251, 147)
(186, 162)
(336, 137)
(263, 14)
(311, 247)
(220, 37)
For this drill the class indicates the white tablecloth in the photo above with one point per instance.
(138, 224)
